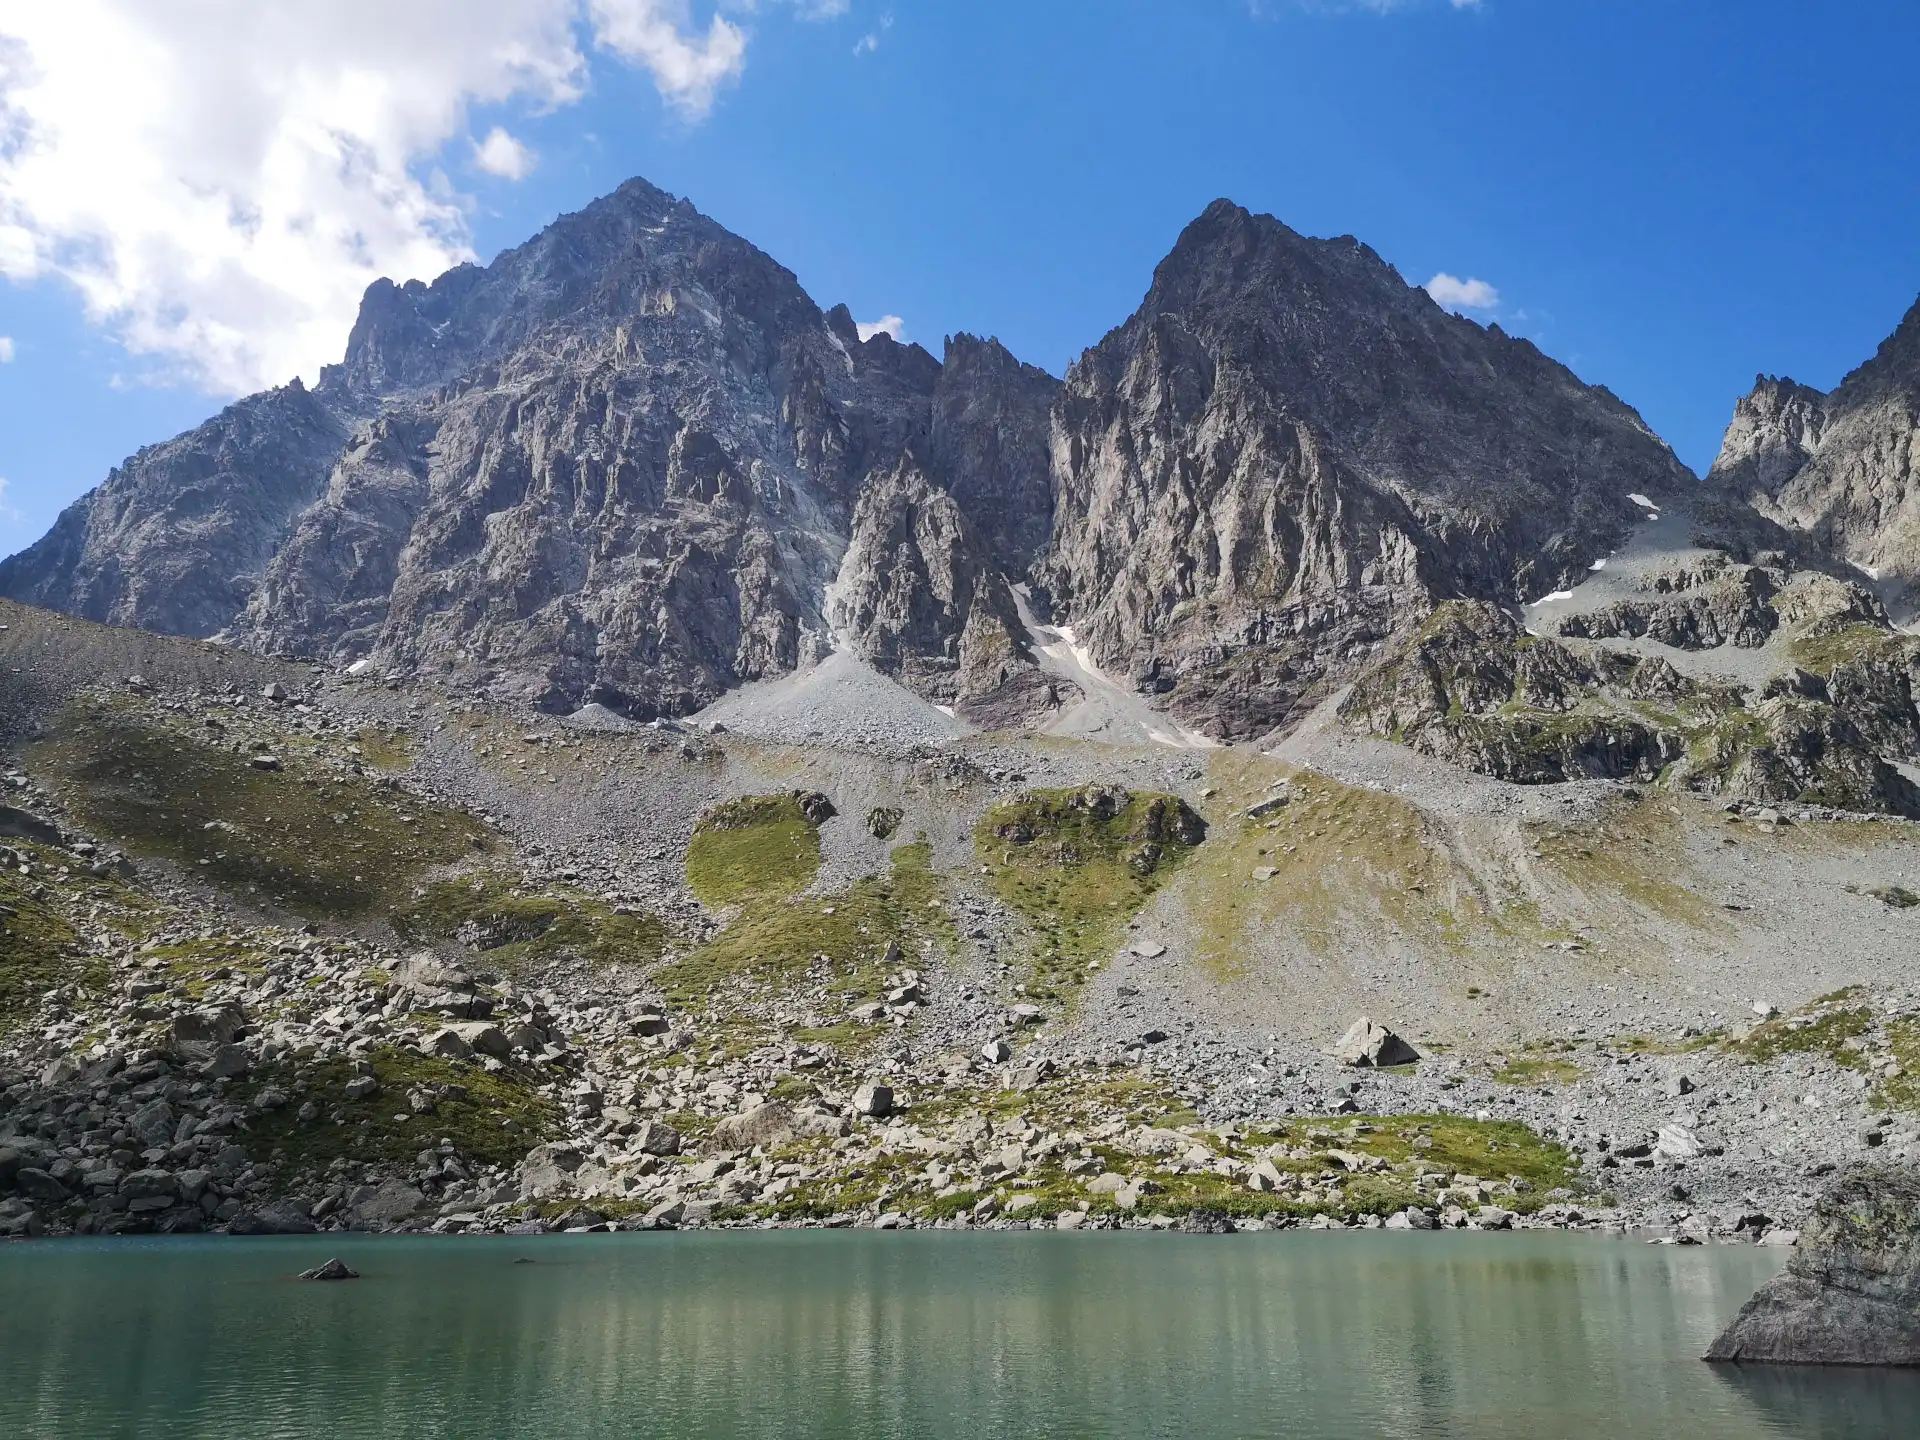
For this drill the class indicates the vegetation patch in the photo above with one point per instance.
(514, 928)
(321, 842)
(842, 938)
(1825, 650)
(754, 847)
(1537, 1070)
(38, 948)
(492, 1118)
(1078, 864)
(1822, 1028)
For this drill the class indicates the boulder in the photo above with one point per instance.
(485, 1039)
(1366, 1043)
(227, 1062)
(153, 1123)
(210, 1026)
(282, 1217)
(656, 1137)
(383, 1206)
(763, 1126)
(549, 1170)
(996, 1052)
(37, 1184)
(449, 1044)
(1031, 1075)
(1850, 1295)
(874, 1100)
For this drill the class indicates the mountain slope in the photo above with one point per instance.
(1288, 452)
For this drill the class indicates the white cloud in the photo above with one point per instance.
(688, 69)
(1457, 294)
(870, 42)
(500, 154)
(891, 325)
(221, 179)
(6, 349)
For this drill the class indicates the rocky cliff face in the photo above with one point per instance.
(1844, 469)
(1288, 452)
(918, 594)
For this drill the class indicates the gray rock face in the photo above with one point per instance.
(616, 466)
(990, 447)
(1851, 1293)
(918, 596)
(177, 537)
(1843, 468)
(1288, 452)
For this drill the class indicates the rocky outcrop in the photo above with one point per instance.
(1851, 1293)
(1471, 687)
(1844, 468)
(918, 597)
(1288, 453)
(1690, 607)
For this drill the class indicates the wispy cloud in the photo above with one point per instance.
(1457, 294)
(891, 325)
(6, 349)
(870, 42)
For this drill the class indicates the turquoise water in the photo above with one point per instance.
(890, 1335)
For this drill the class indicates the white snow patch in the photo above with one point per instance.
(1549, 599)
(1872, 572)
(1598, 565)
(1642, 501)
(946, 710)
(360, 667)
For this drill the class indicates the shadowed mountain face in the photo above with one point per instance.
(1288, 452)
(622, 464)
(1843, 469)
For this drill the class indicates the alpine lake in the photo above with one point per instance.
(868, 1334)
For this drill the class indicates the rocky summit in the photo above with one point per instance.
(622, 751)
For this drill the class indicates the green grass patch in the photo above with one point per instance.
(1078, 864)
(491, 1118)
(320, 842)
(775, 938)
(515, 928)
(752, 848)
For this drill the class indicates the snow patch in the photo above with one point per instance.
(1598, 565)
(1642, 501)
(1872, 572)
(1549, 599)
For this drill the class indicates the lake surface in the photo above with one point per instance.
(893, 1335)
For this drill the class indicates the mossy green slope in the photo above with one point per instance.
(515, 928)
(494, 1118)
(753, 847)
(1078, 864)
(777, 937)
(321, 842)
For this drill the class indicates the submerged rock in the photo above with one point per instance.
(1851, 1293)
(332, 1270)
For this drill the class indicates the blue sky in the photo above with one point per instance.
(1667, 196)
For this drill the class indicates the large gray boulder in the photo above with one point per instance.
(1366, 1043)
(1851, 1293)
